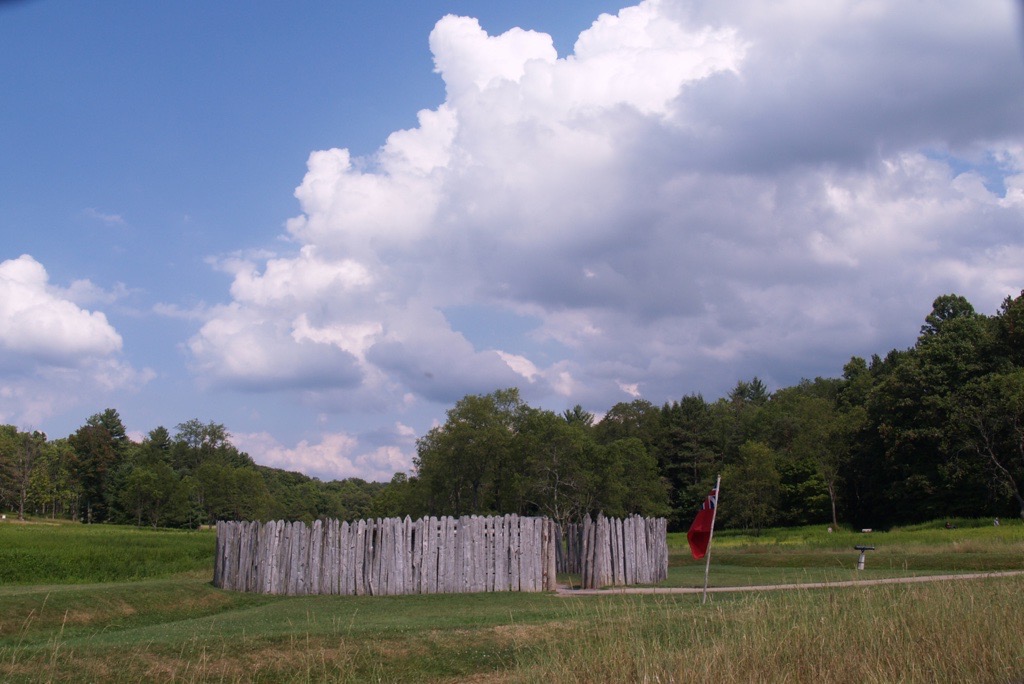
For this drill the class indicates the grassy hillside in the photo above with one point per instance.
(162, 623)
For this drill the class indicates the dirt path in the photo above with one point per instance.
(566, 591)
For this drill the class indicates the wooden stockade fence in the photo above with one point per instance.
(436, 555)
(612, 552)
(387, 556)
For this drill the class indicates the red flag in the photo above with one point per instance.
(699, 535)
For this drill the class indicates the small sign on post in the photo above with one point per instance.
(863, 551)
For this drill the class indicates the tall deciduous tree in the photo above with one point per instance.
(466, 463)
(27, 457)
(8, 458)
(556, 453)
(95, 458)
(990, 412)
(750, 488)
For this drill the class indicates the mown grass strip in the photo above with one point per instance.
(48, 554)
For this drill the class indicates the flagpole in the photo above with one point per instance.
(711, 536)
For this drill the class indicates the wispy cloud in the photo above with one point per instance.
(109, 219)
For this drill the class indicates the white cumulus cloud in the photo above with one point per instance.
(336, 456)
(701, 192)
(36, 322)
(53, 353)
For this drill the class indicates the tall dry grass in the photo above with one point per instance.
(962, 631)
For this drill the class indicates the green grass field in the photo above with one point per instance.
(106, 603)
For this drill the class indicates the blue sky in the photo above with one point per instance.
(323, 223)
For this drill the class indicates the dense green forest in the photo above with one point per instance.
(933, 431)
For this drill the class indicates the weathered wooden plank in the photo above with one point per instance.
(526, 567)
(330, 579)
(254, 558)
(359, 539)
(478, 554)
(444, 557)
(273, 536)
(231, 557)
(264, 544)
(645, 561)
(587, 568)
(338, 564)
(606, 568)
(245, 557)
(291, 570)
(374, 534)
(472, 555)
(487, 576)
(535, 551)
(638, 555)
(236, 556)
(545, 544)
(501, 553)
(490, 538)
(380, 568)
(514, 550)
(440, 544)
(314, 558)
(344, 564)
(304, 559)
(398, 557)
(300, 556)
(416, 559)
(269, 557)
(428, 571)
(610, 570)
(530, 554)
(325, 571)
(407, 553)
(386, 552)
(284, 557)
(452, 577)
(629, 548)
(279, 565)
(395, 570)
(459, 579)
(346, 559)
(488, 547)
(585, 564)
(466, 545)
(619, 570)
(355, 556)
(225, 561)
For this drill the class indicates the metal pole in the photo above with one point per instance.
(711, 536)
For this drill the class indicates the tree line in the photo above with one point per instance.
(192, 477)
(932, 431)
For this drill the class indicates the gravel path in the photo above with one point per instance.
(566, 591)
